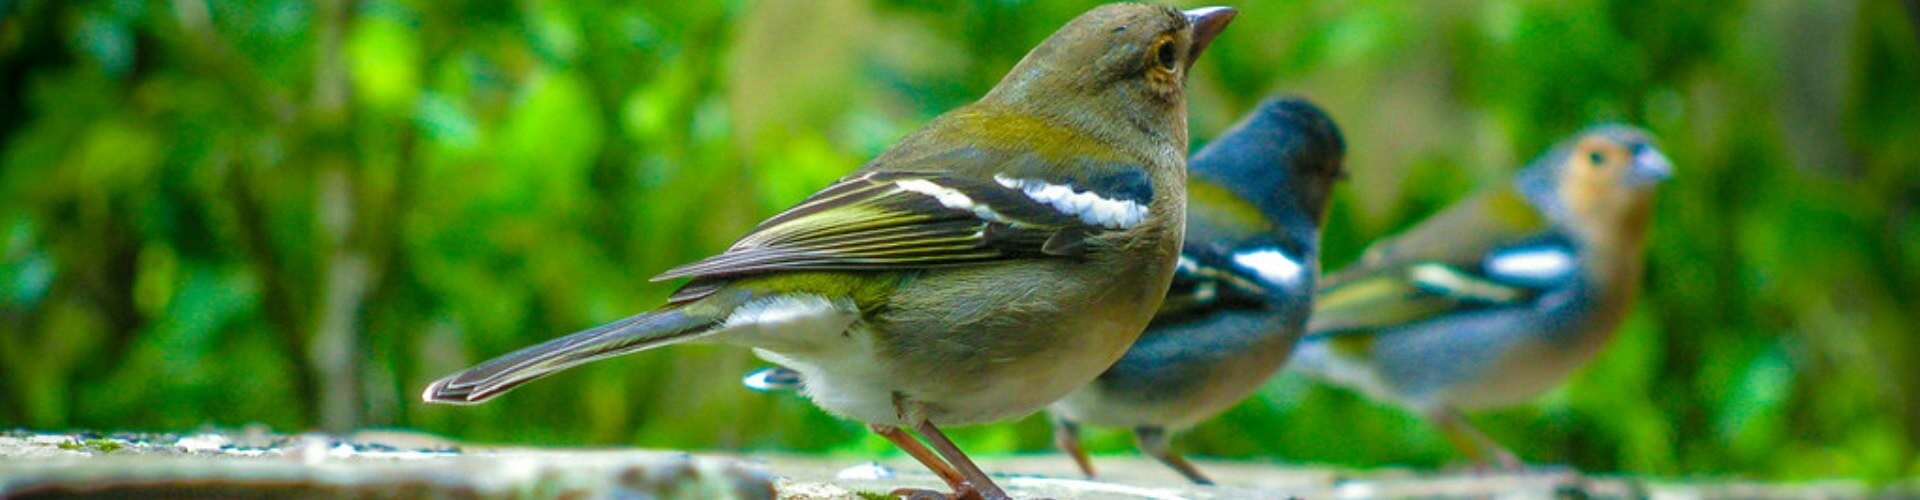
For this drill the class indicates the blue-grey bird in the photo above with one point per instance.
(1241, 295)
(1499, 297)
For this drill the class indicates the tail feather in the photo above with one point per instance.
(636, 333)
(1310, 356)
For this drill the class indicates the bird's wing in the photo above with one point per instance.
(1233, 259)
(884, 220)
(1493, 250)
(1252, 274)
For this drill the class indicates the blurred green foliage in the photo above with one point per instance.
(297, 213)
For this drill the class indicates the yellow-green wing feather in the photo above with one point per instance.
(896, 220)
(1427, 270)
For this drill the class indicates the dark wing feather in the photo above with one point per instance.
(1220, 225)
(1206, 281)
(899, 220)
(1438, 267)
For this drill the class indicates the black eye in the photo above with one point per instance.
(1596, 159)
(1165, 53)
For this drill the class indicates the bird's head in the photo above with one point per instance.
(1285, 156)
(1115, 70)
(1603, 178)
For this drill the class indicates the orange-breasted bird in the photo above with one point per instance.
(1501, 296)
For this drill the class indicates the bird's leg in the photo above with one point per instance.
(926, 457)
(978, 479)
(1066, 437)
(919, 452)
(1153, 441)
(1469, 441)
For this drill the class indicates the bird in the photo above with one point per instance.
(1241, 291)
(1257, 197)
(977, 270)
(1498, 297)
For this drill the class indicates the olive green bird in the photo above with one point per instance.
(1240, 296)
(981, 268)
(1500, 297)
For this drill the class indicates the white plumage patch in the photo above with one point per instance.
(1271, 265)
(1089, 207)
(1205, 291)
(1442, 279)
(1531, 265)
(797, 312)
(772, 380)
(949, 198)
(1186, 265)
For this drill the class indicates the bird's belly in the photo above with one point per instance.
(1182, 374)
(1010, 387)
(1487, 360)
(845, 377)
(1226, 384)
(1003, 352)
(852, 376)
(1519, 375)
(1021, 388)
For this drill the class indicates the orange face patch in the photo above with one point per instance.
(1593, 183)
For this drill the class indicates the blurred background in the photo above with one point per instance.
(297, 213)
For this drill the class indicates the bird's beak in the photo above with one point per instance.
(1207, 23)
(1649, 167)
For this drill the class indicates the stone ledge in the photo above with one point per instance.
(258, 464)
(313, 466)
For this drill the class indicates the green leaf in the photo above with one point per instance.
(384, 59)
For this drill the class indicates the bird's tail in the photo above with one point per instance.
(636, 333)
(1310, 356)
(1341, 360)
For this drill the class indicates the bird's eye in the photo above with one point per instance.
(1166, 56)
(1596, 159)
